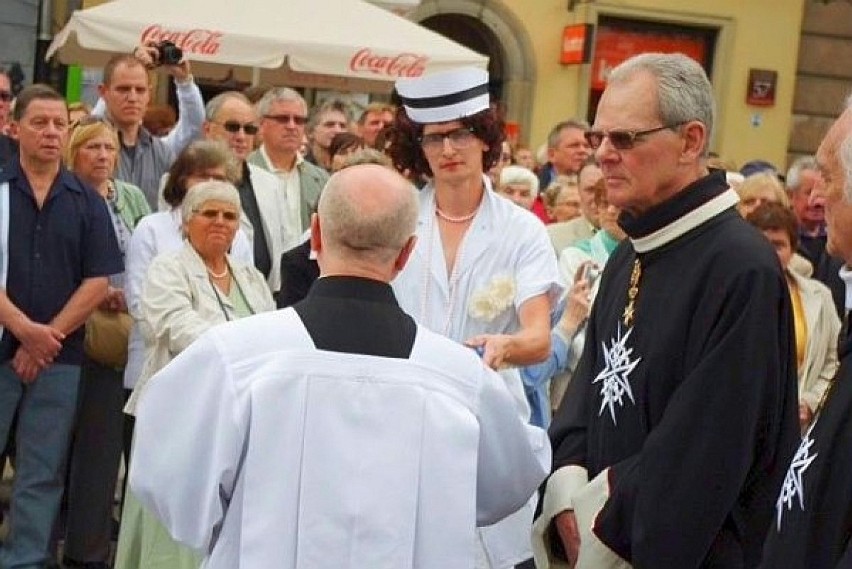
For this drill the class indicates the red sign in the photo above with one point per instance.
(761, 87)
(402, 65)
(576, 44)
(198, 41)
(613, 46)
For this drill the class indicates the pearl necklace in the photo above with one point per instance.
(451, 219)
(221, 275)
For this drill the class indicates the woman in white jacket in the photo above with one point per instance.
(816, 321)
(185, 294)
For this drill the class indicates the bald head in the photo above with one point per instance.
(367, 216)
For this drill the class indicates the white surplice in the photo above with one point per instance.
(258, 450)
(504, 244)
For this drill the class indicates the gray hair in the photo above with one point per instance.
(845, 155)
(337, 105)
(367, 156)
(684, 92)
(794, 173)
(371, 234)
(211, 190)
(215, 104)
(519, 175)
(277, 94)
(556, 131)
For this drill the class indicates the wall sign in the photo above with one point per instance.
(761, 87)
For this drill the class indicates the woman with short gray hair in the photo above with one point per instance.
(186, 293)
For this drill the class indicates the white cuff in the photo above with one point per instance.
(558, 497)
(588, 502)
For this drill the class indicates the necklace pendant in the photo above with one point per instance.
(628, 314)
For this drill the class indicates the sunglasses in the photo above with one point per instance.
(213, 214)
(622, 139)
(234, 127)
(5, 96)
(459, 138)
(297, 120)
(89, 120)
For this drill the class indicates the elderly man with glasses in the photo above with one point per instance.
(232, 119)
(671, 441)
(283, 115)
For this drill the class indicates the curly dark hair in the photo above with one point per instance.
(407, 154)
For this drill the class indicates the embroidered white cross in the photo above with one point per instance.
(793, 486)
(614, 378)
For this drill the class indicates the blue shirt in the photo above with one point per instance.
(52, 249)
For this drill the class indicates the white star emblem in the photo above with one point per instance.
(615, 375)
(793, 486)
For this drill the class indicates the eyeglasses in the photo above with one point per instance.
(297, 120)
(460, 138)
(5, 96)
(622, 139)
(89, 120)
(213, 214)
(332, 124)
(234, 127)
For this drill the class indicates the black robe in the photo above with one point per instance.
(816, 532)
(698, 446)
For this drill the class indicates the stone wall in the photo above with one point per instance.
(18, 24)
(824, 73)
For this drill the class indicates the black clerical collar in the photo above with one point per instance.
(702, 200)
(361, 288)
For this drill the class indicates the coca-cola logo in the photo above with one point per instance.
(402, 65)
(198, 41)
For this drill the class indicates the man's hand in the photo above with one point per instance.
(25, 366)
(149, 55)
(805, 415)
(566, 525)
(42, 341)
(114, 301)
(494, 348)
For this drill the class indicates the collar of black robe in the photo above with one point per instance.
(702, 200)
(344, 286)
(339, 309)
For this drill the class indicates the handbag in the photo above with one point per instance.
(107, 336)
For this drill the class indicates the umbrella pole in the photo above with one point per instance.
(255, 76)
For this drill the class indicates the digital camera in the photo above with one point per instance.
(168, 53)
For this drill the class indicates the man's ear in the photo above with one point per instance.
(694, 140)
(316, 235)
(405, 254)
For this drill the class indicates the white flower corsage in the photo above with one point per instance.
(488, 302)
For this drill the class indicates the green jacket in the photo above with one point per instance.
(130, 203)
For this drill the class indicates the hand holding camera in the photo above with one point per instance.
(164, 54)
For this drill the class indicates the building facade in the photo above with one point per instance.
(749, 50)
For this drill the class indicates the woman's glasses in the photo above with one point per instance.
(214, 214)
(459, 138)
(88, 120)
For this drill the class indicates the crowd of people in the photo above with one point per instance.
(306, 337)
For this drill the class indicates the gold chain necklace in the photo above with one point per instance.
(633, 290)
